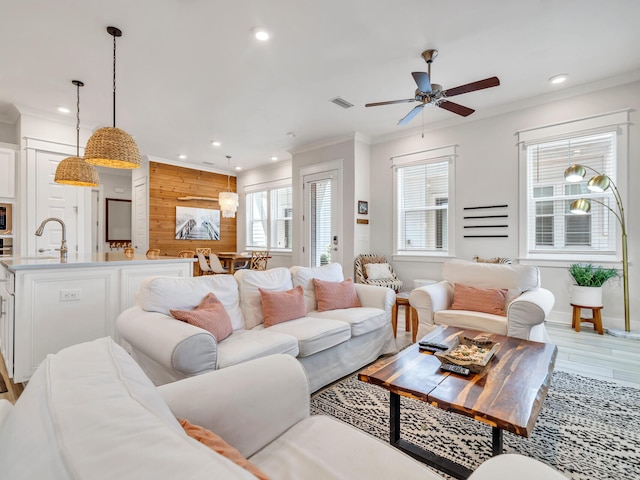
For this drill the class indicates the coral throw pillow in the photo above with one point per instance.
(217, 444)
(335, 295)
(209, 315)
(278, 307)
(486, 300)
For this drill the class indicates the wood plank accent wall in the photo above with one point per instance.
(166, 184)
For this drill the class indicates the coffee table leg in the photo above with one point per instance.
(394, 417)
(496, 437)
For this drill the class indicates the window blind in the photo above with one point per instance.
(422, 201)
(551, 227)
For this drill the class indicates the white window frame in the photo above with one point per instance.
(435, 155)
(612, 121)
(267, 188)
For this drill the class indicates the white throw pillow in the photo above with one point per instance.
(378, 271)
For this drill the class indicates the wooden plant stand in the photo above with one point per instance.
(596, 319)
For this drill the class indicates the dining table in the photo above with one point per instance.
(230, 259)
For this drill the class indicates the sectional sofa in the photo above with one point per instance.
(330, 344)
(89, 412)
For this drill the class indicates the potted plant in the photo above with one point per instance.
(589, 279)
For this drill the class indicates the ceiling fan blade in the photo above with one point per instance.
(409, 116)
(422, 80)
(472, 87)
(390, 102)
(456, 108)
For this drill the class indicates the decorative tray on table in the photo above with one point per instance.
(472, 353)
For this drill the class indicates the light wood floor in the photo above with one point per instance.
(604, 357)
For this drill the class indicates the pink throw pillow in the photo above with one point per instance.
(486, 300)
(278, 307)
(218, 445)
(209, 315)
(335, 295)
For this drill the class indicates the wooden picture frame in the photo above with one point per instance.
(363, 207)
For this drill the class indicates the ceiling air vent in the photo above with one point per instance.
(341, 102)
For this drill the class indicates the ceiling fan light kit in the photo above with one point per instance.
(429, 93)
(110, 146)
(74, 170)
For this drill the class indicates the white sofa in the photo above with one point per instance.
(89, 412)
(330, 344)
(526, 306)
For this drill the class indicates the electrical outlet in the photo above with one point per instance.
(69, 295)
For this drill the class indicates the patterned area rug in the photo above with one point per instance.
(587, 429)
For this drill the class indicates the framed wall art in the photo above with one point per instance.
(197, 223)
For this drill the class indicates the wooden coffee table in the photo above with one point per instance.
(507, 395)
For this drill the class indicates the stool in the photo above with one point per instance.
(410, 315)
(596, 320)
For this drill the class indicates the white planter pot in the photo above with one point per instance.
(586, 296)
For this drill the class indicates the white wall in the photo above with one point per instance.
(487, 173)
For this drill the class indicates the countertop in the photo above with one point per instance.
(88, 260)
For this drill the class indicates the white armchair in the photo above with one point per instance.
(526, 303)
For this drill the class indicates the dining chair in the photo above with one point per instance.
(186, 254)
(216, 265)
(206, 251)
(153, 253)
(259, 260)
(205, 268)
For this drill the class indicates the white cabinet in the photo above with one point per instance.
(7, 173)
(6, 318)
(62, 306)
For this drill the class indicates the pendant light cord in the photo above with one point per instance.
(78, 120)
(114, 81)
(228, 173)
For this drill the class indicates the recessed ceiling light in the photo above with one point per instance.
(215, 143)
(557, 79)
(261, 34)
(182, 157)
(62, 109)
(273, 158)
(238, 168)
(291, 134)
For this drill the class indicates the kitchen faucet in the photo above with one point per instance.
(63, 246)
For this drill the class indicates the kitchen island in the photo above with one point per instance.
(48, 303)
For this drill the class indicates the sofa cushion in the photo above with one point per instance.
(313, 336)
(249, 283)
(322, 447)
(243, 345)
(278, 307)
(160, 294)
(218, 445)
(362, 320)
(335, 295)
(487, 300)
(209, 315)
(490, 275)
(90, 412)
(484, 322)
(304, 276)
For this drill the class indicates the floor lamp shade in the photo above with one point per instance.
(75, 171)
(112, 147)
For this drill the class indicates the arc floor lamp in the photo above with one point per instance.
(599, 183)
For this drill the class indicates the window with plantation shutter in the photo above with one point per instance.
(269, 218)
(550, 229)
(422, 202)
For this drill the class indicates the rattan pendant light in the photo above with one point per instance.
(111, 146)
(74, 170)
(228, 200)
